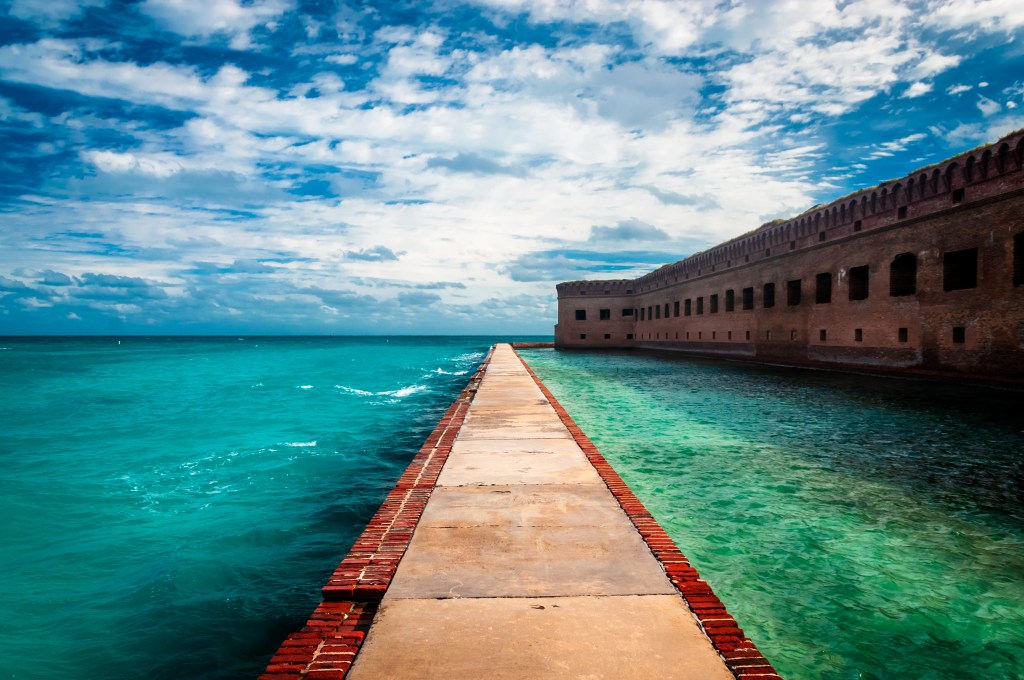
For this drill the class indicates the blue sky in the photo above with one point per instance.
(317, 166)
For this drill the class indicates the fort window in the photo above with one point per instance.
(859, 283)
(821, 236)
(748, 335)
(769, 295)
(858, 335)
(627, 312)
(902, 334)
(675, 308)
(958, 196)
(607, 336)
(700, 305)
(767, 252)
(793, 292)
(583, 336)
(581, 315)
(748, 298)
(767, 335)
(700, 335)
(643, 317)
(605, 315)
(714, 335)
(728, 336)
(901, 212)
(629, 336)
(650, 313)
(1018, 259)
(730, 299)
(856, 227)
(657, 311)
(959, 335)
(823, 288)
(822, 335)
(687, 307)
(960, 269)
(792, 245)
(687, 335)
(666, 310)
(714, 303)
(903, 275)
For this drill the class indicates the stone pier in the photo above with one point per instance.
(529, 558)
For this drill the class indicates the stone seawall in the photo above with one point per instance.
(510, 548)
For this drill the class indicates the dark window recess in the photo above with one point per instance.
(729, 335)
(960, 269)
(959, 335)
(746, 258)
(902, 333)
(700, 305)
(605, 315)
(675, 308)
(769, 295)
(714, 335)
(1018, 259)
(958, 196)
(748, 298)
(792, 335)
(714, 303)
(792, 245)
(687, 307)
(629, 336)
(581, 315)
(583, 336)
(821, 236)
(607, 336)
(767, 335)
(748, 335)
(903, 275)
(901, 212)
(767, 252)
(793, 292)
(657, 311)
(730, 300)
(859, 283)
(643, 317)
(856, 227)
(858, 334)
(822, 335)
(666, 310)
(627, 312)
(823, 288)
(650, 312)
(700, 335)
(687, 335)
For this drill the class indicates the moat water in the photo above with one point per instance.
(857, 527)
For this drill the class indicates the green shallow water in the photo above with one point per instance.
(857, 527)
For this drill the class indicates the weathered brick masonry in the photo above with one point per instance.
(920, 274)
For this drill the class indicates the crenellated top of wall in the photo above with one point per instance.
(982, 172)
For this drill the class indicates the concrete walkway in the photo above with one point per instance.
(523, 565)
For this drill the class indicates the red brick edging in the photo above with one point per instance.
(327, 645)
(738, 651)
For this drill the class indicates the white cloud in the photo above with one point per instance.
(988, 107)
(50, 12)
(959, 89)
(917, 89)
(206, 18)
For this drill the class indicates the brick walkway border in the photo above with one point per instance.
(739, 652)
(327, 645)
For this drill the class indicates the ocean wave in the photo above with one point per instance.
(441, 371)
(399, 393)
(305, 387)
(300, 444)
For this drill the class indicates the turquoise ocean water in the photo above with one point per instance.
(857, 527)
(169, 508)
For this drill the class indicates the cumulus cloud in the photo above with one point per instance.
(374, 254)
(205, 18)
(628, 230)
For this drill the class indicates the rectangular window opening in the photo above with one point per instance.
(822, 335)
(607, 336)
(902, 334)
(604, 315)
(748, 335)
(856, 227)
(700, 305)
(959, 335)
(581, 315)
(858, 278)
(960, 269)
(858, 335)
(769, 295)
(823, 288)
(657, 311)
(958, 196)
(793, 292)
(714, 303)
(687, 307)
(767, 335)
(730, 300)
(629, 336)
(901, 212)
(821, 236)
(627, 312)
(748, 298)
(583, 336)
(728, 335)
(675, 308)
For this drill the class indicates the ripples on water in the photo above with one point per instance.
(169, 508)
(857, 527)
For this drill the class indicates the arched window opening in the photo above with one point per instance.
(903, 275)
(935, 182)
(952, 179)
(986, 161)
(910, 190)
(969, 169)
(1002, 158)
(922, 185)
(874, 202)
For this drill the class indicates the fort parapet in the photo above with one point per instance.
(922, 274)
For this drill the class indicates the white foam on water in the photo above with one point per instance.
(305, 387)
(300, 444)
(404, 391)
(352, 390)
